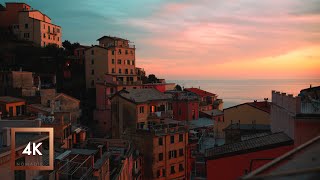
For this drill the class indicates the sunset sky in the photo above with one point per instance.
(202, 39)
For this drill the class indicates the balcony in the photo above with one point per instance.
(160, 115)
(132, 46)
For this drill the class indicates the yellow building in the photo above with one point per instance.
(246, 113)
(114, 56)
(30, 25)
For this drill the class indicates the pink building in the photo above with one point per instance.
(31, 25)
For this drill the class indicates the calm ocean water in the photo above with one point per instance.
(234, 92)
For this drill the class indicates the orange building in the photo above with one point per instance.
(208, 100)
(164, 148)
(11, 106)
(138, 108)
(31, 25)
(246, 113)
(114, 56)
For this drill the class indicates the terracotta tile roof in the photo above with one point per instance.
(200, 92)
(9, 99)
(255, 144)
(262, 105)
(144, 95)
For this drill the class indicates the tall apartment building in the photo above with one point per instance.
(29, 24)
(164, 148)
(114, 56)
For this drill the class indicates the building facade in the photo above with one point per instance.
(114, 56)
(31, 25)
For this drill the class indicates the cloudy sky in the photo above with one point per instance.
(202, 39)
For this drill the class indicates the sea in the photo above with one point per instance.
(235, 92)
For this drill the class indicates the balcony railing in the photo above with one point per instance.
(160, 115)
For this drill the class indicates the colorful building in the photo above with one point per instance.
(246, 113)
(164, 148)
(12, 107)
(53, 102)
(296, 116)
(185, 105)
(17, 83)
(113, 55)
(30, 25)
(232, 161)
(138, 108)
(207, 99)
(300, 163)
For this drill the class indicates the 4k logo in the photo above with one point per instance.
(28, 154)
(35, 149)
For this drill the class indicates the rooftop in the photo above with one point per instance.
(199, 92)
(249, 126)
(9, 99)
(300, 163)
(113, 38)
(213, 112)
(143, 95)
(261, 105)
(250, 145)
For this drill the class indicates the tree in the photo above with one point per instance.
(178, 88)
(152, 78)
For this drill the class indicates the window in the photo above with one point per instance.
(128, 62)
(119, 61)
(172, 139)
(181, 167)
(112, 61)
(160, 156)
(120, 71)
(164, 172)
(58, 39)
(158, 173)
(169, 106)
(119, 52)
(141, 109)
(131, 71)
(92, 52)
(126, 51)
(179, 111)
(44, 35)
(113, 52)
(173, 154)
(92, 61)
(11, 111)
(160, 141)
(26, 35)
(180, 137)
(172, 171)
(92, 71)
(127, 71)
(113, 71)
(132, 62)
(92, 83)
(49, 36)
(181, 152)
(26, 26)
(48, 28)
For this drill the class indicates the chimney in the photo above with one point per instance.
(6, 137)
(100, 150)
